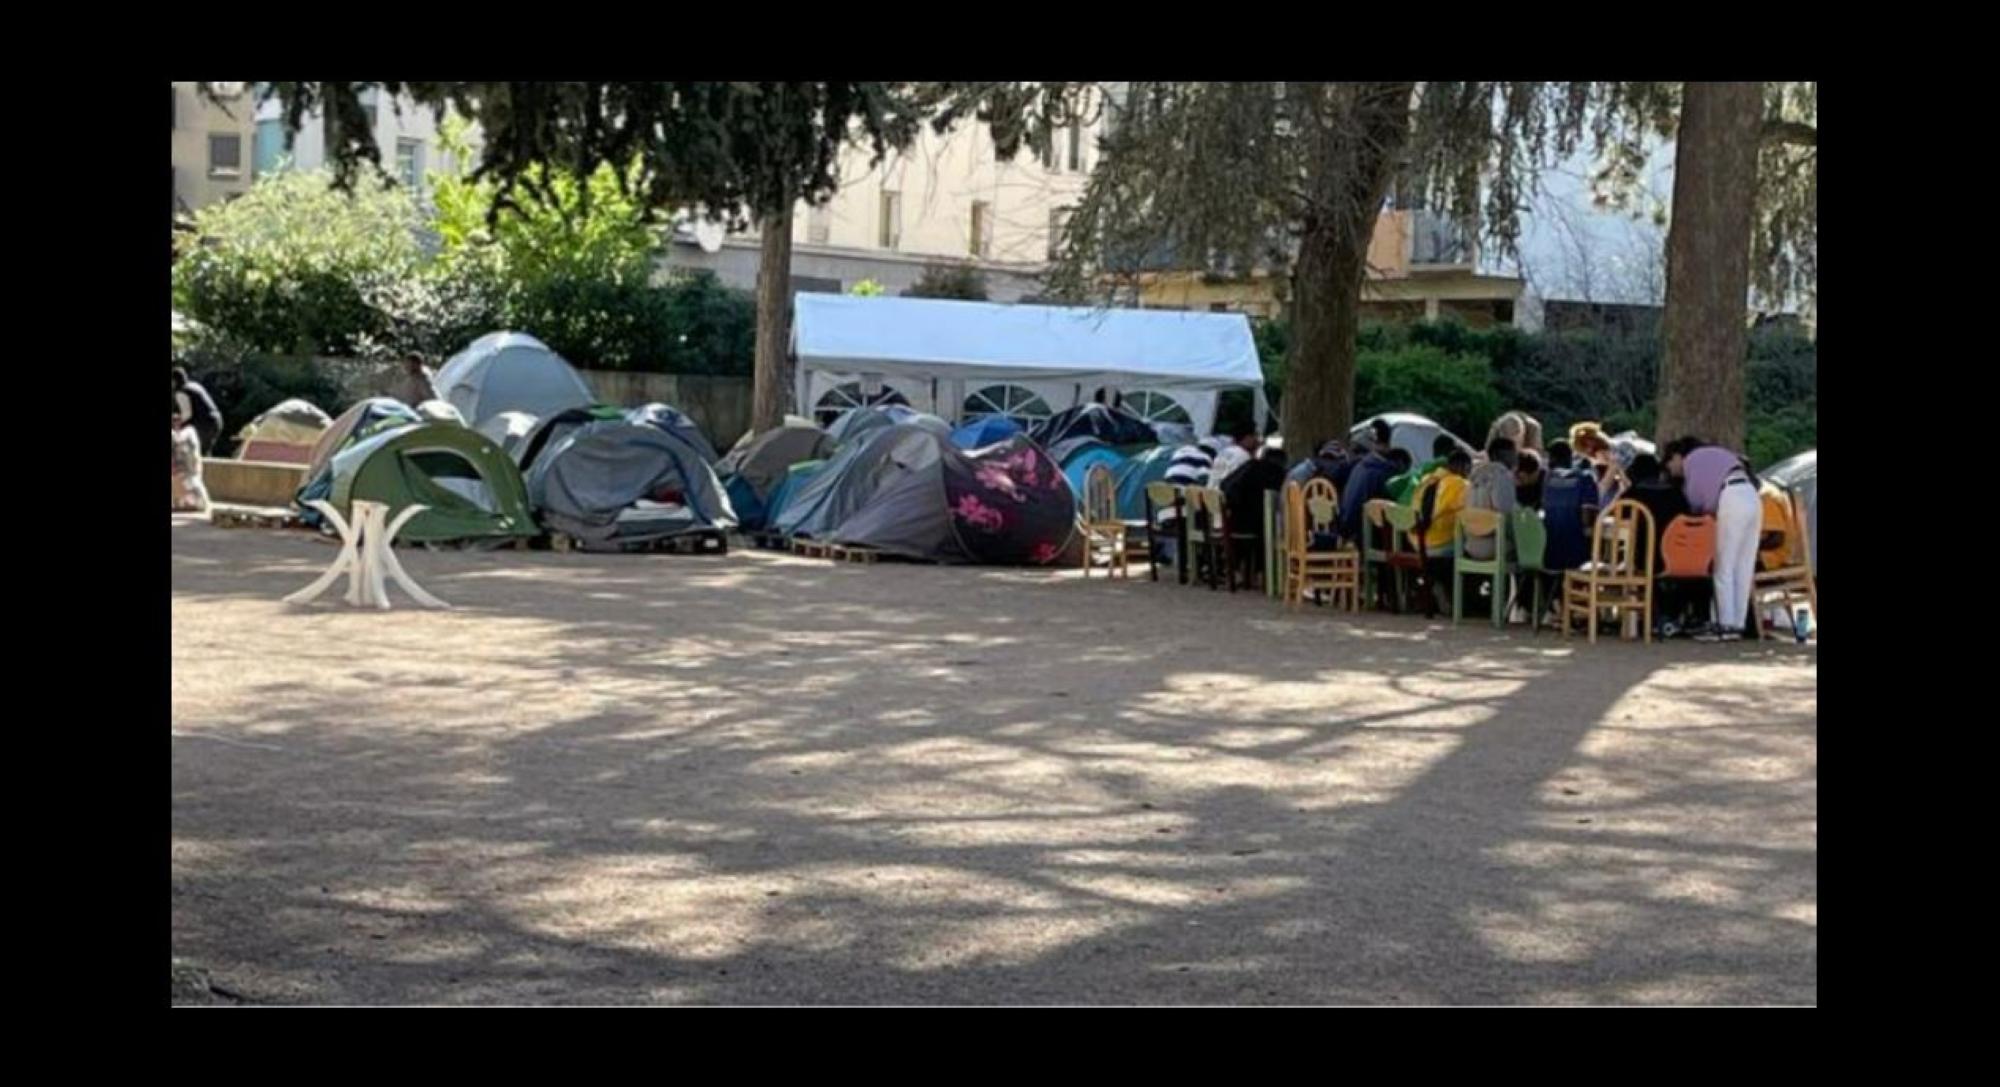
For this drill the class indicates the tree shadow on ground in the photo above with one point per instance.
(761, 780)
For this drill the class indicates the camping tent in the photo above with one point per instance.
(1081, 457)
(510, 431)
(442, 411)
(917, 495)
(363, 420)
(547, 432)
(795, 477)
(984, 431)
(1801, 475)
(470, 488)
(285, 433)
(1133, 475)
(856, 422)
(510, 371)
(753, 470)
(1112, 426)
(1039, 359)
(1410, 432)
(632, 479)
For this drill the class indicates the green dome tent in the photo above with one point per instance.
(472, 489)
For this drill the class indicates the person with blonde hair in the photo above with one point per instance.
(1524, 430)
(1607, 460)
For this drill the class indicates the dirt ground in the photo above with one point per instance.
(759, 779)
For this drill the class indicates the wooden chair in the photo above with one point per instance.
(1401, 552)
(1793, 580)
(1162, 496)
(1474, 524)
(1103, 532)
(1209, 535)
(1531, 548)
(1310, 511)
(1619, 577)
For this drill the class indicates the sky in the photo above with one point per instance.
(1573, 250)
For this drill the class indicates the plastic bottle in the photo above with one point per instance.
(1801, 624)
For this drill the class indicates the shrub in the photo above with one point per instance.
(1456, 390)
(950, 280)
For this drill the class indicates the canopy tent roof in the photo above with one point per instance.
(1165, 348)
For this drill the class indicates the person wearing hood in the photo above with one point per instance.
(1331, 463)
(1524, 430)
(1366, 482)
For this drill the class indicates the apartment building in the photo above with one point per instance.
(947, 198)
(405, 133)
(211, 146)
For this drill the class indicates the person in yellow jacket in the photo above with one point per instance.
(1438, 499)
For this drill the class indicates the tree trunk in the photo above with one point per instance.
(1354, 158)
(1708, 263)
(771, 390)
(1326, 312)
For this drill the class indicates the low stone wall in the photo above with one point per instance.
(251, 482)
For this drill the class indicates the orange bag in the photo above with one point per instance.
(1688, 547)
(1774, 538)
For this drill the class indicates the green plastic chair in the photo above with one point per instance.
(1473, 523)
(1531, 547)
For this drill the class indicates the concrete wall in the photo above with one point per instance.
(719, 405)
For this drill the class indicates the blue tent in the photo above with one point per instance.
(1133, 475)
(1082, 460)
(985, 431)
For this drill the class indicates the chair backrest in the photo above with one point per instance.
(1403, 535)
(1161, 495)
(1322, 505)
(1622, 544)
(1687, 547)
(1477, 523)
(1295, 518)
(1100, 495)
(1802, 552)
(1207, 512)
(1531, 538)
(1784, 517)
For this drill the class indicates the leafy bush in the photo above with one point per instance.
(949, 280)
(245, 384)
(284, 268)
(1456, 390)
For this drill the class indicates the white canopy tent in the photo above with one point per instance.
(960, 360)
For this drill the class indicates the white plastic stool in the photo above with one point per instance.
(365, 555)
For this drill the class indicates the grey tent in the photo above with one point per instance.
(511, 371)
(510, 431)
(629, 480)
(753, 470)
(922, 497)
(819, 503)
(856, 422)
(1801, 475)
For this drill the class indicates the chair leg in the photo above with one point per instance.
(1593, 614)
(1500, 584)
(1457, 595)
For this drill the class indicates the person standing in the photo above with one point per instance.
(193, 407)
(1716, 481)
(417, 383)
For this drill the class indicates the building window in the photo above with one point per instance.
(891, 234)
(225, 154)
(410, 163)
(982, 229)
(819, 224)
(270, 147)
(1014, 401)
(1058, 222)
(1076, 148)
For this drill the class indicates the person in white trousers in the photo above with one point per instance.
(1716, 481)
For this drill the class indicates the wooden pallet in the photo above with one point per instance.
(706, 542)
(769, 541)
(229, 516)
(840, 553)
(812, 549)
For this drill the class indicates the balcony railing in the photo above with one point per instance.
(1438, 240)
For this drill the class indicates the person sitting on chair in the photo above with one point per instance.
(1403, 488)
(1528, 480)
(1439, 499)
(1366, 482)
(1675, 598)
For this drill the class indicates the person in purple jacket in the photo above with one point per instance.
(1716, 481)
